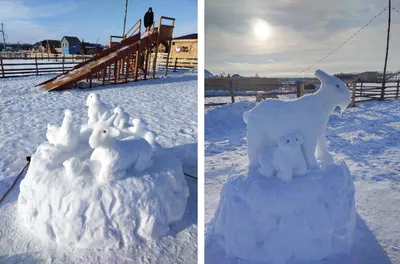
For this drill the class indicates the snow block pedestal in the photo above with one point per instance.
(261, 219)
(75, 210)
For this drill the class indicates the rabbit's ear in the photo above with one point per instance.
(110, 121)
(103, 117)
(113, 132)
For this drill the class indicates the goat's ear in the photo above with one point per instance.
(281, 142)
(113, 132)
(322, 76)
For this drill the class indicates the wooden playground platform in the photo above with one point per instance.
(128, 60)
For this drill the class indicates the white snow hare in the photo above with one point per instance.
(122, 119)
(286, 160)
(112, 157)
(308, 115)
(73, 167)
(66, 136)
(140, 129)
(96, 108)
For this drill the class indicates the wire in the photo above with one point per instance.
(188, 175)
(15, 181)
(341, 45)
(396, 10)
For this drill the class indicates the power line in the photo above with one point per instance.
(341, 45)
(396, 10)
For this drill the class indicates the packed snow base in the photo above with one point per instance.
(266, 220)
(103, 185)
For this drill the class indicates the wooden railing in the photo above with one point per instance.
(260, 88)
(263, 88)
(177, 63)
(37, 66)
(367, 91)
(43, 56)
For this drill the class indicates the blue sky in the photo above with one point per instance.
(301, 32)
(33, 20)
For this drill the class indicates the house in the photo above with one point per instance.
(70, 45)
(182, 47)
(90, 48)
(48, 46)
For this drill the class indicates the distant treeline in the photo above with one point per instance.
(16, 46)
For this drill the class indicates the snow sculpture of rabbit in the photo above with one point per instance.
(66, 136)
(309, 115)
(96, 108)
(285, 160)
(140, 129)
(122, 119)
(115, 156)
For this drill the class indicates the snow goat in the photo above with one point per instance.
(112, 157)
(308, 115)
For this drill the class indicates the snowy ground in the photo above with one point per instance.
(365, 137)
(168, 105)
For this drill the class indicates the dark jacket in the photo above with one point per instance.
(148, 19)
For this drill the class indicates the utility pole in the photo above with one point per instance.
(126, 9)
(4, 38)
(387, 52)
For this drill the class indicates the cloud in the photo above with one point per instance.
(21, 20)
(303, 32)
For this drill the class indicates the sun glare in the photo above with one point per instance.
(261, 29)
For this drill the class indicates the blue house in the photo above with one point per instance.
(70, 45)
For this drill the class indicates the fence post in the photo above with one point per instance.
(361, 89)
(397, 91)
(353, 94)
(63, 59)
(231, 89)
(298, 89)
(36, 65)
(176, 62)
(2, 70)
(90, 79)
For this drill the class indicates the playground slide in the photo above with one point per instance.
(99, 62)
(124, 53)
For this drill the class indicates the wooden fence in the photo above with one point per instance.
(263, 88)
(43, 56)
(37, 66)
(177, 63)
(367, 91)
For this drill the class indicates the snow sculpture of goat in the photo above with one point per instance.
(309, 115)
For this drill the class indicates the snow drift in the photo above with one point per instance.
(65, 199)
(262, 219)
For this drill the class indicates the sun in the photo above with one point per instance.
(261, 29)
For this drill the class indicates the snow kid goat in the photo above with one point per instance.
(115, 156)
(309, 115)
